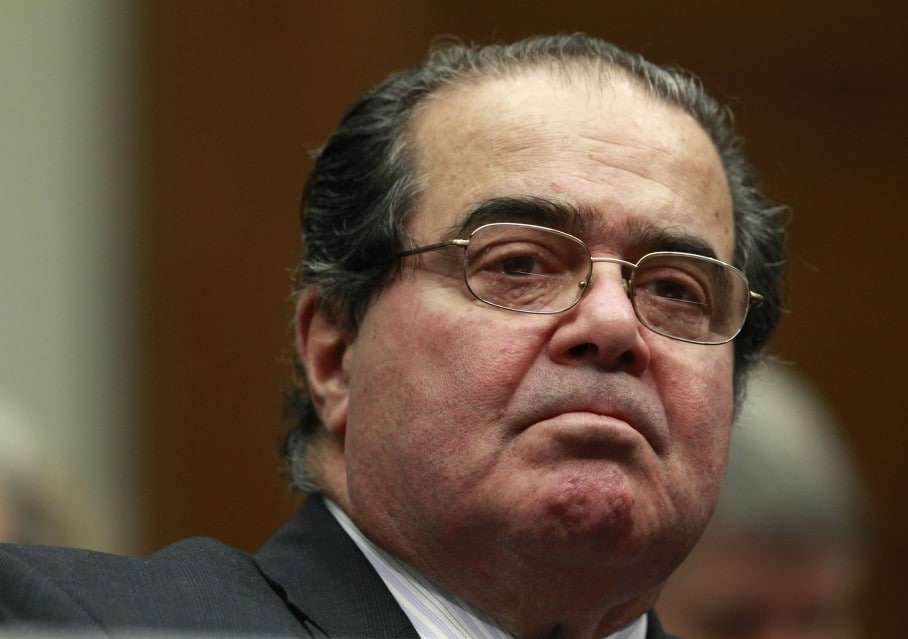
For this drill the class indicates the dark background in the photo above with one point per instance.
(236, 93)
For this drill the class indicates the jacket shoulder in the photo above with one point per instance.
(198, 585)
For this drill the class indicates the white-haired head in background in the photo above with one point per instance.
(784, 553)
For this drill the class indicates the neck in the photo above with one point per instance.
(546, 604)
(528, 602)
(528, 597)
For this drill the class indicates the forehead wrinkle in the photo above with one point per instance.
(519, 142)
(635, 144)
(668, 173)
(475, 143)
(507, 151)
(676, 192)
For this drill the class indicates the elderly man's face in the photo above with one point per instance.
(580, 437)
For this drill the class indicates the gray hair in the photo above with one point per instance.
(364, 185)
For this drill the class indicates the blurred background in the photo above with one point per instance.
(151, 161)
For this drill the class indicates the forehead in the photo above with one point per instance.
(605, 148)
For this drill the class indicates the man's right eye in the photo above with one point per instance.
(516, 259)
(519, 265)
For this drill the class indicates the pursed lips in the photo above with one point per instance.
(599, 419)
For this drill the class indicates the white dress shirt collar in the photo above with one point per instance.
(435, 613)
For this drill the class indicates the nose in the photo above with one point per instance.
(602, 330)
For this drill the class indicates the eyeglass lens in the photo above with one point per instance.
(537, 270)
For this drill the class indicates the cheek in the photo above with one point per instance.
(697, 392)
(425, 400)
(471, 346)
(439, 370)
(696, 387)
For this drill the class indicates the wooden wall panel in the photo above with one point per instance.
(235, 94)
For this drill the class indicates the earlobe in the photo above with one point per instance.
(323, 348)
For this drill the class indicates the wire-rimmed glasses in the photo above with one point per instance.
(535, 269)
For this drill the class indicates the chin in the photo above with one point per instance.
(600, 513)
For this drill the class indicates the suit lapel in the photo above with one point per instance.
(654, 628)
(328, 582)
(326, 579)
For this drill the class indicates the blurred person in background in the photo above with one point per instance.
(783, 557)
(37, 502)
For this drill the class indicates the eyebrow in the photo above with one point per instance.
(644, 237)
(527, 210)
(653, 238)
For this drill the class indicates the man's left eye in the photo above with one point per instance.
(675, 290)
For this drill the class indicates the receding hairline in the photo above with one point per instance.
(590, 74)
(575, 71)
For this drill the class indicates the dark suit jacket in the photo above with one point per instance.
(310, 580)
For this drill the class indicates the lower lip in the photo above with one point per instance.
(589, 432)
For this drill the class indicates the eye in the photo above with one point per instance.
(672, 285)
(519, 265)
(518, 259)
(675, 289)
(524, 267)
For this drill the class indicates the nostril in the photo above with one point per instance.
(627, 358)
(582, 350)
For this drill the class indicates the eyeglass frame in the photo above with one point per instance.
(753, 299)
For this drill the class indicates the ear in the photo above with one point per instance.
(322, 348)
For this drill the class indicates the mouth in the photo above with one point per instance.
(594, 429)
(589, 434)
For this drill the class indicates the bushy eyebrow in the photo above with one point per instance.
(649, 238)
(640, 236)
(528, 210)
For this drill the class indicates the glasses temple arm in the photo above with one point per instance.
(432, 247)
